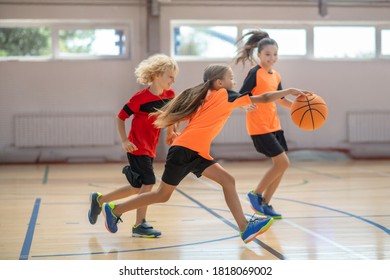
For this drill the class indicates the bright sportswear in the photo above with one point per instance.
(144, 134)
(205, 124)
(264, 118)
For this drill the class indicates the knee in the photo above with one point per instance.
(146, 188)
(282, 162)
(228, 180)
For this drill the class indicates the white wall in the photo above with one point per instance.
(345, 85)
(104, 86)
(68, 86)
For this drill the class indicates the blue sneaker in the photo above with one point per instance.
(111, 220)
(269, 211)
(256, 201)
(95, 209)
(255, 227)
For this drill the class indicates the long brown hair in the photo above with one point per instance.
(187, 102)
(245, 52)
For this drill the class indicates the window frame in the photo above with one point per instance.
(56, 26)
(200, 23)
(306, 25)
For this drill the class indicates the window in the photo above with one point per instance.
(54, 41)
(204, 41)
(291, 42)
(385, 42)
(91, 42)
(344, 42)
(25, 42)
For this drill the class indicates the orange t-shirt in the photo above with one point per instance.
(265, 118)
(206, 123)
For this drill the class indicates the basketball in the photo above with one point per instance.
(309, 112)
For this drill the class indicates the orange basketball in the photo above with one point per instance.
(309, 112)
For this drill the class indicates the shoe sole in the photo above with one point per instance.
(262, 230)
(262, 214)
(144, 236)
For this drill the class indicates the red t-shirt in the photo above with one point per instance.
(143, 133)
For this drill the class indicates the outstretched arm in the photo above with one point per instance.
(274, 95)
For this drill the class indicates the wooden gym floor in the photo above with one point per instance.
(332, 210)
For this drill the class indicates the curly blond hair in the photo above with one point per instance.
(153, 66)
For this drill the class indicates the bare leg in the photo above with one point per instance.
(118, 194)
(218, 174)
(162, 194)
(141, 212)
(273, 176)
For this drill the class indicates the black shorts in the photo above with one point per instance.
(140, 172)
(270, 144)
(180, 162)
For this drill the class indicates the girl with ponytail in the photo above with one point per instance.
(206, 107)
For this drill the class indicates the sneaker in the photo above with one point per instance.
(269, 211)
(95, 209)
(111, 220)
(256, 201)
(145, 230)
(255, 227)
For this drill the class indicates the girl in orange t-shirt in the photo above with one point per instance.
(206, 107)
(262, 121)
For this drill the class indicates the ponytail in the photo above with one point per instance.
(188, 102)
(245, 52)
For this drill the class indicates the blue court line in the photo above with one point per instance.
(30, 231)
(263, 245)
(137, 250)
(385, 229)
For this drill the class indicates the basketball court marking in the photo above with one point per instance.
(30, 231)
(317, 235)
(385, 229)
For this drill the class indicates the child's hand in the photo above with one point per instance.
(298, 92)
(249, 108)
(170, 138)
(128, 146)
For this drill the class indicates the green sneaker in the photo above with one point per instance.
(145, 230)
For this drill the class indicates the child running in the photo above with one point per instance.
(262, 121)
(158, 72)
(206, 107)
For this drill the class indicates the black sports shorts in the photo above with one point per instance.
(140, 172)
(270, 144)
(180, 162)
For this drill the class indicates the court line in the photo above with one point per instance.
(30, 231)
(319, 236)
(257, 241)
(340, 211)
(136, 250)
(327, 240)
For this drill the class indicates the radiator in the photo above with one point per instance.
(234, 130)
(48, 130)
(368, 127)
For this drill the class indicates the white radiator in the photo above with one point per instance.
(48, 130)
(235, 132)
(368, 127)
